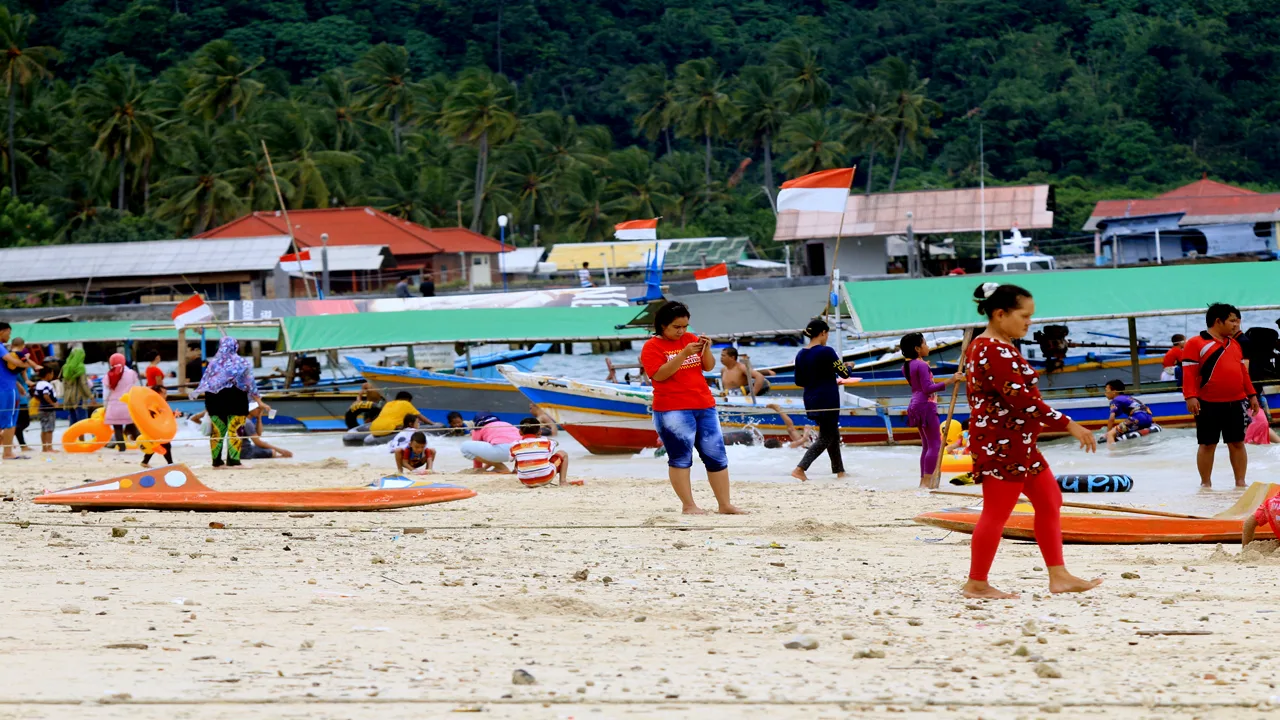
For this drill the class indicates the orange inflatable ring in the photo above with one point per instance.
(72, 443)
(147, 445)
(957, 463)
(152, 415)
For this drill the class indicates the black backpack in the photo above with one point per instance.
(1260, 350)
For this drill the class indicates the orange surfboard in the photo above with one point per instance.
(175, 487)
(1123, 529)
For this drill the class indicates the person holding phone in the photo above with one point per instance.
(684, 411)
(820, 371)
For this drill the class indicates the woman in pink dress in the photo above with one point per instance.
(120, 379)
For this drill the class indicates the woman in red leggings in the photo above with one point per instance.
(1006, 416)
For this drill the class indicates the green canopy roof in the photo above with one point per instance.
(478, 325)
(891, 307)
(121, 330)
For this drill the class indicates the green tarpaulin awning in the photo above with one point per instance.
(122, 330)
(479, 325)
(891, 307)
(744, 313)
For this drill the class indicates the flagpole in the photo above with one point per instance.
(835, 256)
(293, 242)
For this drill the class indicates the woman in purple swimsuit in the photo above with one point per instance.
(922, 412)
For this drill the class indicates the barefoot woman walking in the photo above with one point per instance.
(1006, 416)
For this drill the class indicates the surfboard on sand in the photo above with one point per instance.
(175, 487)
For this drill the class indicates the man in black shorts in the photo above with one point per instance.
(1215, 383)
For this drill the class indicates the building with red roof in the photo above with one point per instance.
(441, 253)
(1203, 218)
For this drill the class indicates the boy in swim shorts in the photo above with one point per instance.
(415, 454)
(1266, 514)
(539, 459)
(1133, 414)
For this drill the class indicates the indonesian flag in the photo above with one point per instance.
(715, 277)
(191, 310)
(636, 230)
(296, 257)
(825, 191)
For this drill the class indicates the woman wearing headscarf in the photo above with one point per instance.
(227, 386)
(120, 379)
(77, 396)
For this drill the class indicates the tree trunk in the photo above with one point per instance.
(146, 185)
(234, 115)
(871, 166)
(482, 162)
(337, 141)
(395, 126)
(768, 172)
(706, 165)
(897, 158)
(13, 159)
(120, 191)
(666, 131)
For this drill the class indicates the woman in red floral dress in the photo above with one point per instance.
(1006, 416)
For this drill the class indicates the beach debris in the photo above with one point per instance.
(1030, 629)
(307, 644)
(606, 579)
(126, 646)
(523, 677)
(70, 610)
(872, 653)
(801, 642)
(1151, 633)
(300, 515)
(119, 532)
(640, 618)
(1130, 575)
(581, 575)
(846, 635)
(1022, 651)
(413, 531)
(680, 545)
(378, 560)
(1051, 708)
(1002, 641)
(915, 622)
(217, 526)
(1046, 670)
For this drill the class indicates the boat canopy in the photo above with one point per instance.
(477, 325)
(42, 333)
(768, 311)
(893, 307)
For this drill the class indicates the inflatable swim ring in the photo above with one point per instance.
(957, 463)
(151, 414)
(100, 415)
(1133, 434)
(149, 446)
(951, 431)
(1098, 482)
(71, 438)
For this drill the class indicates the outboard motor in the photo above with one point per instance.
(1053, 344)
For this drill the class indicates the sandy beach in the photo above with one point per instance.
(615, 604)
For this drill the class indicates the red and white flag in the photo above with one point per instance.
(296, 257)
(192, 310)
(636, 230)
(823, 191)
(715, 277)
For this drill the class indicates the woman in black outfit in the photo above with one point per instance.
(817, 370)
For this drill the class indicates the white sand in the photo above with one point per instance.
(358, 619)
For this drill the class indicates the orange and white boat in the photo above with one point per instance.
(175, 487)
(1121, 528)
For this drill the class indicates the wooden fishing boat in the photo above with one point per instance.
(1121, 528)
(175, 487)
(437, 394)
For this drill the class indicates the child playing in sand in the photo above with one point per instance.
(1134, 414)
(1266, 514)
(415, 455)
(539, 459)
(1259, 431)
(46, 407)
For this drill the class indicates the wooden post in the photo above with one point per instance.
(256, 347)
(182, 358)
(751, 385)
(1133, 353)
(413, 363)
(951, 410)
(290, 369)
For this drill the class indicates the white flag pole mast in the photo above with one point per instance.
(835, 259)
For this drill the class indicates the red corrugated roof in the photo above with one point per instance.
(1203, 198)
(1204, 187)
(357, 226)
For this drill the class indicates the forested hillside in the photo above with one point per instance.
(137, 119)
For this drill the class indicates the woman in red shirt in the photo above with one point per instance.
(1006, 416)
(684, 412)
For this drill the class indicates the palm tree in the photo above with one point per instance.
(685, 192)
(334, 95)
(480, 111)
(763, 110)
(705, 107)
(409, 190)
(220, 81)
(559, 139)
(199, 193)
(637, 191)
(650, 91)
(584, 205)
(20, 65)
(814, 141)
(530, 177)
(300, 158)
(801, 74)
(870, 121)
(389, 91)
(115, 107)
(911, 108)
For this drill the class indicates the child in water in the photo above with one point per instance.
(539, 459)
(415, 455)
(1265, 515)
(1259, 431)
(1133, 414)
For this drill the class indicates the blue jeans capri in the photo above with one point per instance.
(8, 408)
(684, 430)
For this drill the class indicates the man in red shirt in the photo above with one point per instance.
(1215, 382)
(1173, 359)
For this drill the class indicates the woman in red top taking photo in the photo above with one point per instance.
(684, 412)
(1006, 416)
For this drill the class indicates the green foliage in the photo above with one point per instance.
(23, 223)
(130, 119)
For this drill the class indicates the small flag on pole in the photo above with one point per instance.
(715, 277)
(824, 191)
(636, 230)
(303, 256)
(192, 310)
